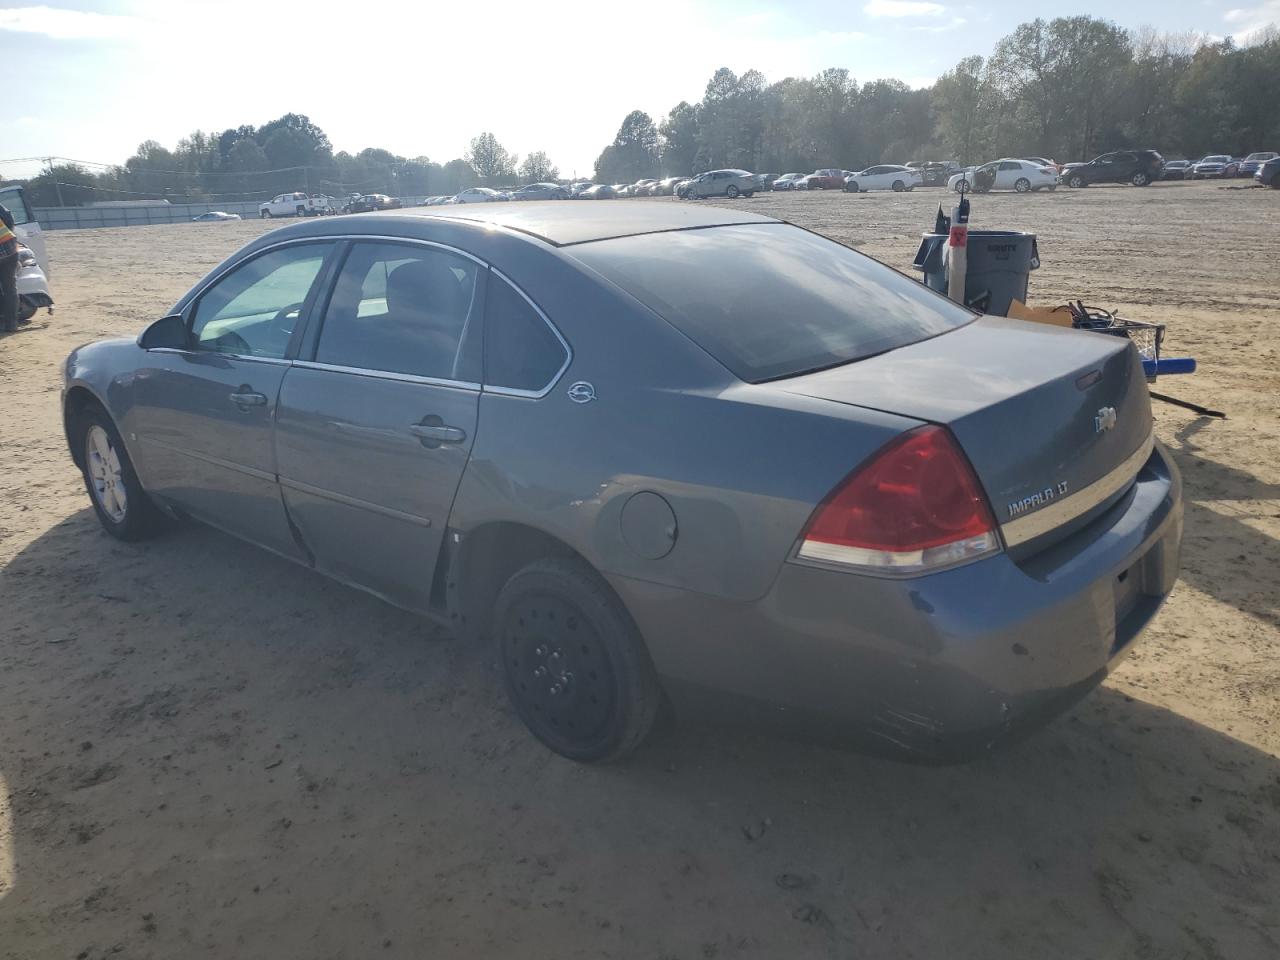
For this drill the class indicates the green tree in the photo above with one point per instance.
(537, 168)
(490, 159)
(634, 152)
(62, 184)
(458, 175)
(680, 134)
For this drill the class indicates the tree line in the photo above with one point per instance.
(1068, 88)
(287, 154)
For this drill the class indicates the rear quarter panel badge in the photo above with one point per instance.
(582, 392)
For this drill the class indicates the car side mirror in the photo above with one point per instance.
(170, 331)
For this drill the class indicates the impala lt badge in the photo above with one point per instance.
(1105, 420)
(1037, 500)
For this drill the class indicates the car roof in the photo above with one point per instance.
(563, 224)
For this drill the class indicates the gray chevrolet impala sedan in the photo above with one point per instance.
(659, 450)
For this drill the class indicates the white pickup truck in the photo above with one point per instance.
(294, 205)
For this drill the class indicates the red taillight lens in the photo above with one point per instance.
(915, 505)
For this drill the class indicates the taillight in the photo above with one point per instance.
(915, 505)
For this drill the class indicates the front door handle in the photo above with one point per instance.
(246, 396)
(437, 432)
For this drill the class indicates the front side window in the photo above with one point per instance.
(401, 308)
(772, 300)
(521, 350)
(252, 311)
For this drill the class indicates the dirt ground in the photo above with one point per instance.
(208, 752)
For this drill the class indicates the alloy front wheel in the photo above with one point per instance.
(123, 507)
(106, 481)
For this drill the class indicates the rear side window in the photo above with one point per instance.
(771, 300)
(521, 352)
(400, 308)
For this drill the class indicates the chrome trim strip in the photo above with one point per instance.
(197, 292)
(354, 502)
(568, 350)
(386, 375)
(272, 361)
(1058, 512)
(215, 461)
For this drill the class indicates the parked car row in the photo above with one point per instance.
(1019, 174)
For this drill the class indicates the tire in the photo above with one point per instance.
(898, 186)
(732, 191)
(300, 211)
(123, 507)
(1140, 179)
(265, 215)
(1022, 185)
(1075, 182)
(1052, 187)
(851, 186)
(576, 669)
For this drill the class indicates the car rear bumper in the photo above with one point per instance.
(935, 669)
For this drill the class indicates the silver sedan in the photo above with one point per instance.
(658, 450)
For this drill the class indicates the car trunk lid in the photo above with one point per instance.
(1054, 421)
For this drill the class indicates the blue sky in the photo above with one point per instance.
(94, 79)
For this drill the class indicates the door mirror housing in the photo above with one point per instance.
(170, 331)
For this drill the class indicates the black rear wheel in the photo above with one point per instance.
(575, 666)
(731, 191)
(1075, 182)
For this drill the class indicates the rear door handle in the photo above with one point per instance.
(245, 397)
(437, 433)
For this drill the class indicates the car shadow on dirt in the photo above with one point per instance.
(208, 750)
(1223, 554)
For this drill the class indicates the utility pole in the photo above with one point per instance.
(56, 185)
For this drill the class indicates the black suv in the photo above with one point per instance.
(1138, 167)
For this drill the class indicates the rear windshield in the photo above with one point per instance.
(770, 300)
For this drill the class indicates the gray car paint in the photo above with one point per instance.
(932, 663)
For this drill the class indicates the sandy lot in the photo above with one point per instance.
(208, 752)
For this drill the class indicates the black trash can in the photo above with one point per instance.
(999, 266)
